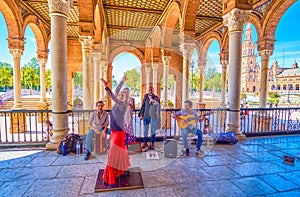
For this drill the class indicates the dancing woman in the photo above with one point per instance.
(118, 159)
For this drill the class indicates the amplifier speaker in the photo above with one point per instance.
(170, 148)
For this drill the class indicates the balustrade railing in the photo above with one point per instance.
(23, 126)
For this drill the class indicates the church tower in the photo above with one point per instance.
(250, 69)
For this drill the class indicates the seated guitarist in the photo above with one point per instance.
(187, 119)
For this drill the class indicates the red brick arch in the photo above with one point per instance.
(207, 40)
(12, 18)
(130, 49)
(189, 12)
(38, 30)
(273, 16)
(172, 15)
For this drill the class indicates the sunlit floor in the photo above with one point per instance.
(253, 167)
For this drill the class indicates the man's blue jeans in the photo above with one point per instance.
(147, 122)
(196, 131)
(90, 136)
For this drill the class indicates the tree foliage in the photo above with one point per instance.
(6, 76)
(77, 80)
(30, 75)
(133, 80)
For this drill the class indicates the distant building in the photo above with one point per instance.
(279, 79)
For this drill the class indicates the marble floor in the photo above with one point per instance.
(253, 167)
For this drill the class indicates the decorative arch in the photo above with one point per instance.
(189, 11)
(172, 15)
(273, 16)
(207, 40)
(12, 18)
(156, 41)
(38, 30)
(130, 49)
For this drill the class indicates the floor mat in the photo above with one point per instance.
(133, 181)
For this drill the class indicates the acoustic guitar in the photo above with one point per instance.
(184, 121)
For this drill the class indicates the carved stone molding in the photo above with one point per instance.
(187, 49)
(16, 43)
(224, 63)
(166, 60)
(265, 54)
(61, 7)
(236, 19)
(86, 42)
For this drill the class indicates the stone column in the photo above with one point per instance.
(224, 64)
(166, 61)
(86, 42)
(154, 72)
(42, 58)
(201, 66)
(186, 49)
(148, 71)
(265, 57)
(59, 64)
(17, 53)
(235, 21)
(103, 74)
(97, 75)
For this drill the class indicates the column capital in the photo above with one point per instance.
(236, 19)
(16, 53)
(224, 63)
(86, 42)
(265, 54)
(166, 59)
(60, 7)
(147, 69)
(187, 49)
(155, 65)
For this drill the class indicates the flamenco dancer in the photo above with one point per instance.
(118, 158)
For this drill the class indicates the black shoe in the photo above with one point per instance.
(87, 155)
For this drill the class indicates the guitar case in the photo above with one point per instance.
(170, 148)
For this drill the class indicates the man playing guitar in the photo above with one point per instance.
(187, 120)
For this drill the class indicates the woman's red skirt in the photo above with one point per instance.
(118, 158)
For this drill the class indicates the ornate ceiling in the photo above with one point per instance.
(133, 20)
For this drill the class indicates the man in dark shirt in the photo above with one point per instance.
(149, 99)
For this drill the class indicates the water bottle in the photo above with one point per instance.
(64, 149)
(77, 148)
(83, 148)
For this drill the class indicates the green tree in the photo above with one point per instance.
(212, 80)
(30, 74)
(48, 78)
(6, 75)
(133, 81)
(77, 79)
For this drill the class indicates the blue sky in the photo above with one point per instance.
(287, 46)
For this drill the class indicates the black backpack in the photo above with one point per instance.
(70, 141)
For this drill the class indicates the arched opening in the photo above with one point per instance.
(194, 75)
(127, 63)
(30, 68)
(250, 74)
(6, 60)
(212, 72)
